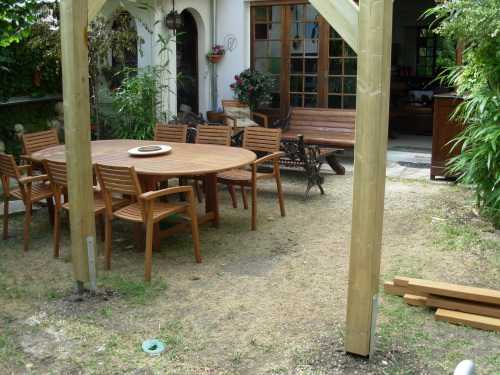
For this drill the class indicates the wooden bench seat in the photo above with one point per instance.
(322, 127)
(327, 127)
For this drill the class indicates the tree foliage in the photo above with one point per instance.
(477, 24)
(16, 18)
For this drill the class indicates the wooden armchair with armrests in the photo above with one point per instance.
(239, 115)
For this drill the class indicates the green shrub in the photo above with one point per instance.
(478, 83)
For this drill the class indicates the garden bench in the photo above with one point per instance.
(327, 128)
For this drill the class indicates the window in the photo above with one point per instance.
(426, 52)
(313, 64)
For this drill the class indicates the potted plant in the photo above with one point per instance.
(253, 88)
(216, 52)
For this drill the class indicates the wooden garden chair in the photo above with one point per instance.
(210, 135)
(58, 177)
(33, 142)
(31, 189)
(256, 139)
(171, 133)
(238, 115)
(144, 208)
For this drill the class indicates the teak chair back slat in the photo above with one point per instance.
(33, 142)
(213, 135)
(171, 133)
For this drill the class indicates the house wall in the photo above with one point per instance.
(233, 30)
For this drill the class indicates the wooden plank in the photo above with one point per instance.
(398, 290)
(456, 291)
(470, 320)
(370, 158)
(343, 16)
(477, 308)
(77, 131)
(410, 299)
(402, 280)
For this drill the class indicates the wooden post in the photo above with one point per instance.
(343, 16)
(370, 154)
(77, 131)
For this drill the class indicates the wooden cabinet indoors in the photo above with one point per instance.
(443, 131)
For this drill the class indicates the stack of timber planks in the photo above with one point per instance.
(457, 304)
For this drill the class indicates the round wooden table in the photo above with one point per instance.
(184, 159)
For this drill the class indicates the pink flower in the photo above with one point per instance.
(250, 88)
(231, 85)
(265, 100)
(240, 81)
(236, 77)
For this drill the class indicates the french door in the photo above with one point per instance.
(313, 64)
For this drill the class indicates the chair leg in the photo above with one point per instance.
(254, 207)
(51, 209)
(107, 244)
(194, 228)
(100, 223)
(198, 191)
(280, 193)
(57, 233)
(6, 218)
(149, 251)
(27, 218)
(233, 195)
(138, 235)
(244, 195)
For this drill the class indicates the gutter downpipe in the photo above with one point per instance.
(214, 93)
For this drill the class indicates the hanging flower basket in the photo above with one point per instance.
(214, 59)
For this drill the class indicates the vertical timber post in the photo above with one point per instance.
(370, 154)
(74, 21)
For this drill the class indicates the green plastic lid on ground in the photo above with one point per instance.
(153, 347)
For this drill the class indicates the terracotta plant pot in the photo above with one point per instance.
(214, 117)
(214, 59)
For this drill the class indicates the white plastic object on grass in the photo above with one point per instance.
(465, 367)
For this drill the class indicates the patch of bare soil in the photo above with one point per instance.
(272, 301)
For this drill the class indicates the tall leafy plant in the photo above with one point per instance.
(137, 101)
(106, 37)
(476, 23)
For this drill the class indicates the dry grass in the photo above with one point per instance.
(266, 302)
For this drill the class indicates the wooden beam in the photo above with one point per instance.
(94, 7)
(466, 319)
(343, 16)
(370, 155)
(456, 291)
(77, 130)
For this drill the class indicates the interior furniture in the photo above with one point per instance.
(238, 115)
(171, 132)
(144, 208)
(444, 130)
(58, 177)
(33, 142)
(209, 135)
(31, 189)
(185, 159)
(266, 142)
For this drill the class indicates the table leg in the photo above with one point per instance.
(212, 198)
